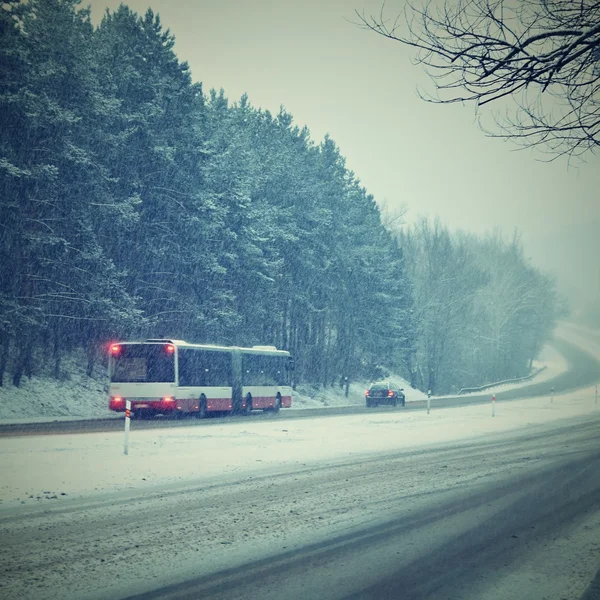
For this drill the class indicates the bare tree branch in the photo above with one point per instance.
(540, 53)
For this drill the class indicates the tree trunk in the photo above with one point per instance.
(56, 356)
(23, 360)
(285, 343)
(92, 353)
(28, 366)
(4, 347)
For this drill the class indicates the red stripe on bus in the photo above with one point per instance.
(218, 404)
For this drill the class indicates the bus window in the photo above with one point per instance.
(204, 368)
(144, 363)
(264, 370)
(216, 368)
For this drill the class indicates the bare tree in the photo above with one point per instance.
(393, 218)
(543, 54)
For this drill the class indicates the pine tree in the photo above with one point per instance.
(56, 186)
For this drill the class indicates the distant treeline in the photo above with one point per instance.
(133, 204)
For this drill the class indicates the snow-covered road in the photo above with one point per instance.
(359, 506)
(323, 528)
(188, 503)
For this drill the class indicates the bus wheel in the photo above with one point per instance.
(248, 408)
(277, 404)
(202, 408)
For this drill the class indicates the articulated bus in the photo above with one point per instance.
(174, 377)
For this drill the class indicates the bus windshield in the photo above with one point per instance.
(149, 363)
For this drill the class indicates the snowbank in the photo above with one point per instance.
(46, 399)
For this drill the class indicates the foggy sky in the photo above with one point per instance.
(308, 56)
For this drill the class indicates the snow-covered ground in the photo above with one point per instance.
(80, 397)
(41, 399)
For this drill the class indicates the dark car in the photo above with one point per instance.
(384, 392)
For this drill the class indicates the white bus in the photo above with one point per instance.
(175, 377)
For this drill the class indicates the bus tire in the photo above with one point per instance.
(277, 404)
(248, 408)
(202, 411)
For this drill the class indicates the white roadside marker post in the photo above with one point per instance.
(493, 405)
(596, 401)
(551, 395)
(428, 400)
(127, 424)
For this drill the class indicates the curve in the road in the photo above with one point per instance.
(583, 371)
